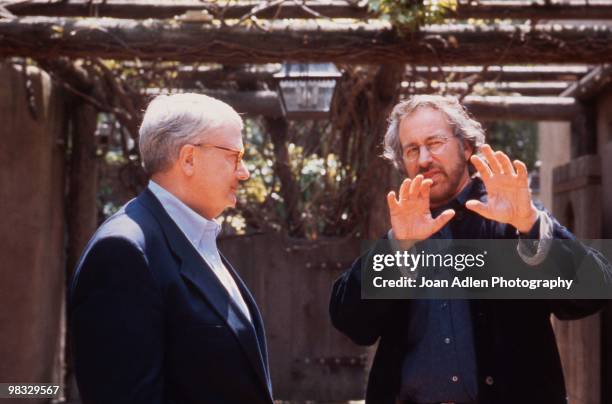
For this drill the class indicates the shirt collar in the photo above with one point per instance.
(193, 225)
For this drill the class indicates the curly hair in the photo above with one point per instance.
(464, 127)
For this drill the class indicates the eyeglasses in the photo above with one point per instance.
(239, 153)
(434, 145)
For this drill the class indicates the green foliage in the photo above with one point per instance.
(408, 15)
(319, 178)
(330, 163)
(518, 139)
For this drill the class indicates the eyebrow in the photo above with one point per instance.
(411, 144)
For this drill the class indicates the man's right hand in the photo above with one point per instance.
(410, 215)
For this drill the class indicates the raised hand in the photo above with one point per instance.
(508, 195)
(410, 215)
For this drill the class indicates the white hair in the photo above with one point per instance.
(464, 127)
(171, 121)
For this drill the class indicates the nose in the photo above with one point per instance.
(243, 172)
(424, 157)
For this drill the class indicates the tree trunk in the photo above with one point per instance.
(289, 189)
(378, 179)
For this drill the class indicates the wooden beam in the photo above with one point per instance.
(546, 72)
(215, 79)
(254, 103)
(504, 73)
(308, 41)
(143, 9)
(198, 78)
(528, 10)
(546, 77)
(533, 88)
(522, 108)
(212, 78)
(590, 85)
(493, 108)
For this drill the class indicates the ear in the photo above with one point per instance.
(186, 159)
(468, 150)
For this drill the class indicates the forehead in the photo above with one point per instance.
(227, 134)
(422, 124)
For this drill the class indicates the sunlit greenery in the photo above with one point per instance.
(315, 169)
(410, 14)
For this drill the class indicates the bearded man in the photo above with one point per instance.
(459, 351)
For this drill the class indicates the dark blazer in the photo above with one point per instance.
(151, 323)
(516, 352)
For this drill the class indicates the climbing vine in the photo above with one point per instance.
(408, 15)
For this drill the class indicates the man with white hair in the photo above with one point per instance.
(157, 314)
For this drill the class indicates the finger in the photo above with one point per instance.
(491, 159)
(478, 207)
(483, 168)
(403, 191)
(425, 188)
(442, 219)
(505, 163)
(521, 170)
(392, 201)
(415, 187)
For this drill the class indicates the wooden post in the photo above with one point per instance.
(584, 131)
(577, 204)
(81, 204)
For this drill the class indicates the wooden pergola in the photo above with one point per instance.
(506, 60)
(530, 58)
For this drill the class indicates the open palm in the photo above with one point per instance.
(508, 194)
(411, 215)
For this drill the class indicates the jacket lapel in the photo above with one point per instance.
(196, 270)
(255, 315)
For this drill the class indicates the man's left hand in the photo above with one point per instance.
(508, 194)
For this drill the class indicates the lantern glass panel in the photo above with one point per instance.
(307, 95)
(307, 90)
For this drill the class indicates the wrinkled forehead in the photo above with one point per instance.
(422, 124)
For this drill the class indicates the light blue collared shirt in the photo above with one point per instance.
(202, 233)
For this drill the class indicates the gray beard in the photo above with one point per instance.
(453, 179)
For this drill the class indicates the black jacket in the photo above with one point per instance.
(152, 324)
(516, 353)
